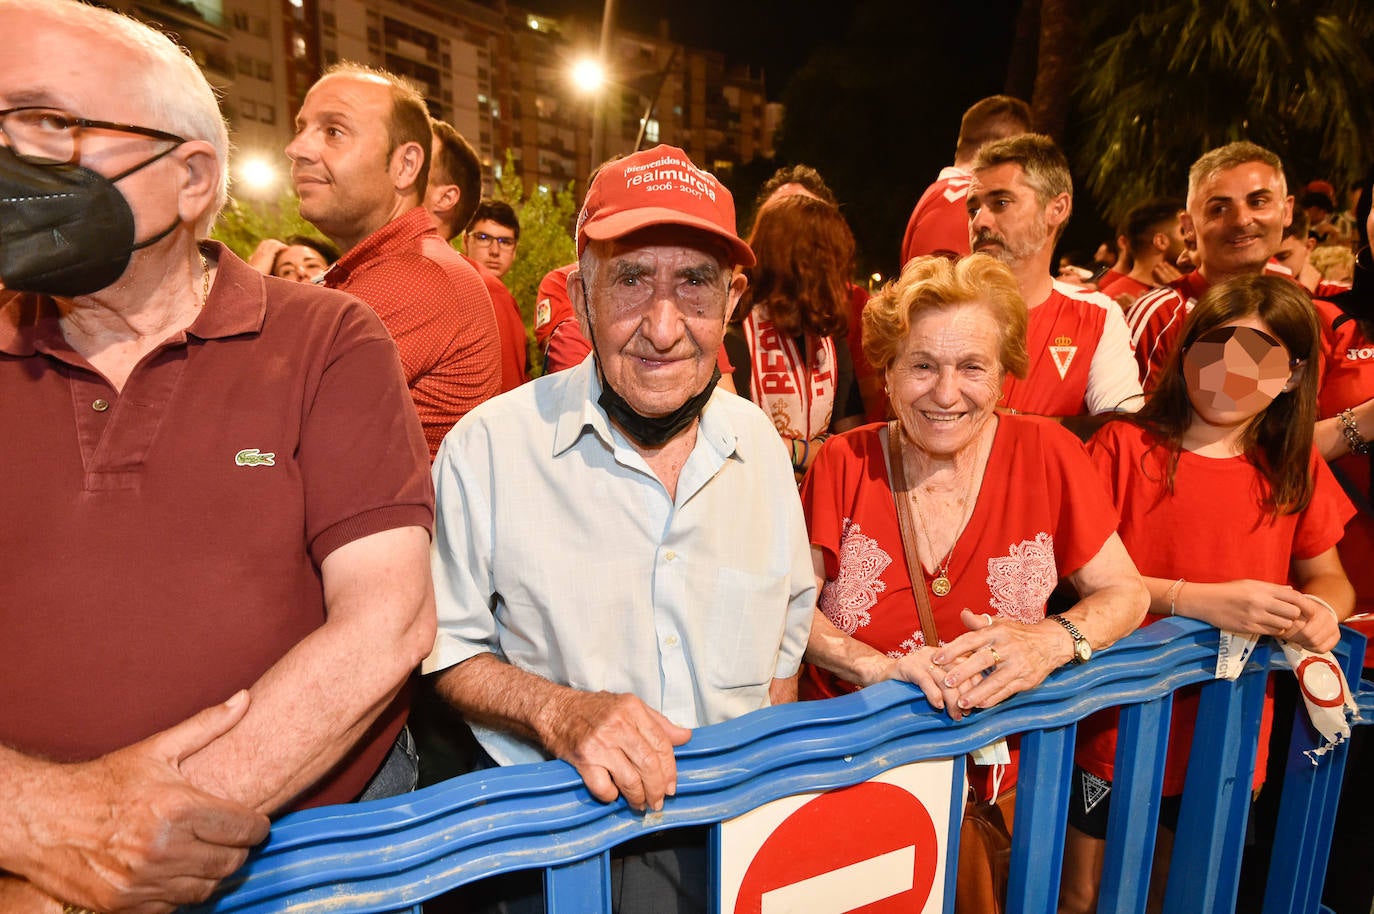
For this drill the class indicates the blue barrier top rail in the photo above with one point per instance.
(389, 854)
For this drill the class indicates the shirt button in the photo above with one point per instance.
(671, 640)
(670, 555)
(100, 405)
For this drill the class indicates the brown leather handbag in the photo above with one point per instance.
(985, 833)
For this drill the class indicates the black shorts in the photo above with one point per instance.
(1090, 800)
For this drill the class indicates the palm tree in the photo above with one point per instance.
(1178, 77)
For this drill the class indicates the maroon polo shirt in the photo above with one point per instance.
(161, 545)
(438, 312)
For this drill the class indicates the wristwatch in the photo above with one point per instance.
(1082, 650)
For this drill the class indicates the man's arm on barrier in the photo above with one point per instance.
(617, 743)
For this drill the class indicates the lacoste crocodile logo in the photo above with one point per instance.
(252, 457)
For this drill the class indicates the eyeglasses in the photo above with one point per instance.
(51, 136)
(505, 241)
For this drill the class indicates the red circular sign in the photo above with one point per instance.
(834, 836)
(1319, 668)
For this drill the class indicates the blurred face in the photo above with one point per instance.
(492, 245)
(655, 309)
(339, 158)
(1235, 371)
(1238, 215)
(299, 263)
(1005, 218)
(947, 377)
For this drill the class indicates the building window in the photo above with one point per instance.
(249, 110)
(267, 114)
(243, 64)
(263, 71)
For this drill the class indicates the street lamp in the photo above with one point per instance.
(257, 175)
(588, 75)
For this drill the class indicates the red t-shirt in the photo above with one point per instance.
(1156, 320)
(1193, 533)
(438, 312)
(162, 543)
(1027, 530)
(514, 343)
(1122, 284)
(872, 384)
(555, 323)
(1348, 380)
(939, 221)
(1062, 339)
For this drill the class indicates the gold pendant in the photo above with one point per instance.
(940, 586)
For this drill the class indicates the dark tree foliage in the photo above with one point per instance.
(1170, 79)
(877, 112)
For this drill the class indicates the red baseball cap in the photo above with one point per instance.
(659, 186)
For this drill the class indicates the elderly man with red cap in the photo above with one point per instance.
(620, 554)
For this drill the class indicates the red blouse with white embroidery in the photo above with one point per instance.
(1041, 513)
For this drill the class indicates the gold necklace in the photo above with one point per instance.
(940, 585)
(205, 280)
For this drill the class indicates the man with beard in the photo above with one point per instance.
(1080, 355)
(1238, 205)
(595, 606)
(1152, 236)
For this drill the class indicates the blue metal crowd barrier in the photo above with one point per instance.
(388, 855)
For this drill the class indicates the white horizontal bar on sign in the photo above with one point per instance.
(846, 888)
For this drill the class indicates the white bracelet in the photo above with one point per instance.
(1331, 609)
(1173, 592)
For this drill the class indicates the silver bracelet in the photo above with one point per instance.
(1352, 432)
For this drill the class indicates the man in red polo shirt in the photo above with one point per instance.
(1080, 358)
(360, 161)
(453, 196)
(215, 495)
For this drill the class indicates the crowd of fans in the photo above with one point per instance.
(250, 500)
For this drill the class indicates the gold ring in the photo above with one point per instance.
(996, 657)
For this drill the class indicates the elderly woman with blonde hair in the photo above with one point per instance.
(939, 535)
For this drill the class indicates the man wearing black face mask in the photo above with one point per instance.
(214, 495)
(620, 551)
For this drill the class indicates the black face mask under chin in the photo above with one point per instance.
(659, 430)
(65, 229)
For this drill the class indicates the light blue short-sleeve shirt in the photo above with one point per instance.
(558, 550)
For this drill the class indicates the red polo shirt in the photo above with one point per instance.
(515, 343)
(438, 312)
(161, 544)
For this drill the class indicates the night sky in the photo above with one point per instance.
(776, 35)
(915, 67)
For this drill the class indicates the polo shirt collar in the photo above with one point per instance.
(578, 411)
(400, 232)
(237, 304)
(238, 299)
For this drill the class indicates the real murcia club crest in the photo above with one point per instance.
(1063, 352)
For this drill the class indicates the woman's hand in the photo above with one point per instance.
(996, 658)
(920, 669)
(1246, 606)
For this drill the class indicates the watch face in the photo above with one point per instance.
(1082, 650)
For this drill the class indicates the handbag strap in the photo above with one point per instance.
(901, 495)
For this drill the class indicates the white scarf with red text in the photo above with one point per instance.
(795, 388)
